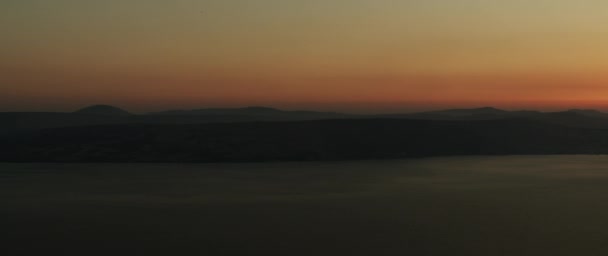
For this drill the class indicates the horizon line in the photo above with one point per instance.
(372, 112)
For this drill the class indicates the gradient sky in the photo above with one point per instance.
(346, 55)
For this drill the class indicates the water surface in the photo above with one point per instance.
(514, 205)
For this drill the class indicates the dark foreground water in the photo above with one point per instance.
(540, 205)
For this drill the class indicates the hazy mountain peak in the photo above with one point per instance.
(103, 110)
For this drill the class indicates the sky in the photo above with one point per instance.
(340, 55)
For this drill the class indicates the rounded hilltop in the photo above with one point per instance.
(106, 110)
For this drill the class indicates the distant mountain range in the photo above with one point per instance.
(11, 122)
(104, 133)
(105, 110)
(15, 122)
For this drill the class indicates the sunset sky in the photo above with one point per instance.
(341, 55)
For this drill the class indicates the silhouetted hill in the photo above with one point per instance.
(483, 113)
(255, 114)
(19, 122)
(573, 117)
(302, 140)
(221, 111)
(588, 112)
(470, 112)
(103, 110)
(16, 122)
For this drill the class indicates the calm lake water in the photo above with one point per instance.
(514, 205)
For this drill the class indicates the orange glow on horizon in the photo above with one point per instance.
(353, 56)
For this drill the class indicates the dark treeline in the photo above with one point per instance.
(337, 139)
